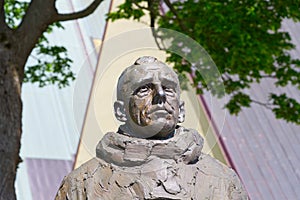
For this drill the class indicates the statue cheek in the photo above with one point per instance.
(138, 110)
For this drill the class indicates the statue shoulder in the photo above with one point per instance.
(75, 181)
(216, 171)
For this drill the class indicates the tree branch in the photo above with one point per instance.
(266, 105)
(39, 15)
(83, 13)
(152, 5)
(154, 33)
(2, 15)
(268, 76)
(139, 6)
(180, 22)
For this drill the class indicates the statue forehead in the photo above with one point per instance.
(137, 72)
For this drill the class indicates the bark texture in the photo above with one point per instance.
(15, 47)
(10, 125)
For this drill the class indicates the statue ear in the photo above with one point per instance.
(120, 111)
(181, 115)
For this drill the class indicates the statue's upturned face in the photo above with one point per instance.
(153, 100)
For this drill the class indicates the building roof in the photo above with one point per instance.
(264, 150)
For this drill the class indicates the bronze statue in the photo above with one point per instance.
(151, 156)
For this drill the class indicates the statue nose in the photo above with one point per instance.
(160, 96)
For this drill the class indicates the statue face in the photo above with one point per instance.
(151, 100)
(155, 99)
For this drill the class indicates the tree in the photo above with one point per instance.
(22, 28)
(243, 38)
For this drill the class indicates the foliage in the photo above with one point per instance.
(286, 108)
(53, 66)
(243, 38)
(127, 10)
(52, 63)
(14, 11)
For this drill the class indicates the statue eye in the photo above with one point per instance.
(143, 91)
(169, 91)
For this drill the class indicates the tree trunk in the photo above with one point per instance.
(15, 47)
(10, 123)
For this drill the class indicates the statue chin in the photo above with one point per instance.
(159, 128)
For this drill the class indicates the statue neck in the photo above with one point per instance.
(123, 150)
(123, 129)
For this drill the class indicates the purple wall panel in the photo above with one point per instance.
(45, 176)
(265, 150)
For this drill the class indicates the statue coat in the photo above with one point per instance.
(128, 168)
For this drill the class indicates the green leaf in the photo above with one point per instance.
(53, 66)
(286, 108)
(14, 12)
(238, 101)
(244, 38)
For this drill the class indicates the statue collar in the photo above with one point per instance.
(122, 150)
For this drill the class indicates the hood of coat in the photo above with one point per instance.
(123, 150)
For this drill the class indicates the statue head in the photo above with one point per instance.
(148, 99)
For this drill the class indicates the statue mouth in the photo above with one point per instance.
(160, 113)
(159, 110)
